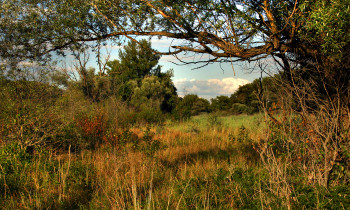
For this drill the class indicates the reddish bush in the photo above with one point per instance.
(93, 128)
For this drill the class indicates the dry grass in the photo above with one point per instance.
(133, 180)
(200, 164)
(110, 178)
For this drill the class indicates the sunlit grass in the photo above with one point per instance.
(193, 150)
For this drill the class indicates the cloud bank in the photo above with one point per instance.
(209, 88)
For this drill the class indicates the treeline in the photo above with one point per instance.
(131, 90)
(137, 80)
(85, 107)
(39, 106)
(248, 99)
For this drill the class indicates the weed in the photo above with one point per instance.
(213, 120)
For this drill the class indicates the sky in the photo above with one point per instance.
(207, 82)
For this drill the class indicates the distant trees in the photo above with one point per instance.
(221, 103)
(135, 78)
(248, 99)
(190, 105)
(251, 97)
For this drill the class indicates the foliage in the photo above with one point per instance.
(152, 92)
(134, 79)
(136, 61)
(92, 128)
(231, 26)
(94, 87)
(327, 26)
(27, 114)
(238, 108)
(243, 135)
(250, 98)
(220, 103)
(190, 105)
(213, 120)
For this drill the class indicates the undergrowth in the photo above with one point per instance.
(74, 154)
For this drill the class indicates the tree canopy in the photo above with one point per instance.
(228, 30)
(135, 62)
(307, 39)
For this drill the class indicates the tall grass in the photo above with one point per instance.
(194, 161)
(96, 156)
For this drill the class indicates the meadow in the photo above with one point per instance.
(194, 167)
(66, 152)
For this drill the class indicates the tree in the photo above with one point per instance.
(227, 26)
(154, 92)
(190, 105)
(221, 103)
(136, 61)
(241, 30)
(137, 73)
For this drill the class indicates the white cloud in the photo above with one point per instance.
(209, 88)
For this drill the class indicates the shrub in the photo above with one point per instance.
(150, 115)
(92, 128)
(214, 120)
(238, 108)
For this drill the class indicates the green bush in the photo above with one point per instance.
(150, 115)
(151, 145)
(238, 108)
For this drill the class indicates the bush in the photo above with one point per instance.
(34, 126)
(238, 108)
(92, 128)
(150, 115)
(14, 160)
(214, 120)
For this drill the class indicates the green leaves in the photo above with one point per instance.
(328, 24)
(135, 61)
